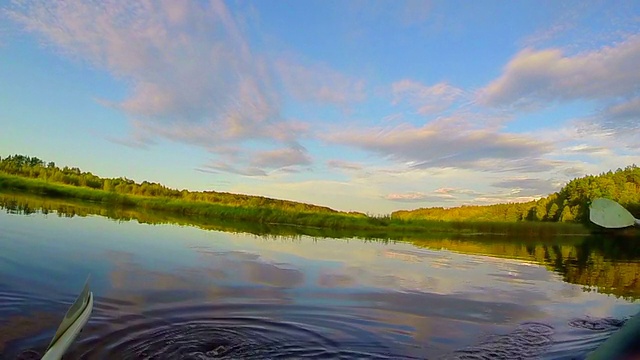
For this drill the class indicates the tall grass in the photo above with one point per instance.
(276, 216)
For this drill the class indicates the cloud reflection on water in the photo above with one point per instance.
(426, 301)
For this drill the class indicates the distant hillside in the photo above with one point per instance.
(32, 175)
(569, 204)
(34, 168)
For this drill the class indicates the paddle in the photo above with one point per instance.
(71, 325)
(609, 214)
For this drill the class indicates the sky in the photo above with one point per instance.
(371, 106)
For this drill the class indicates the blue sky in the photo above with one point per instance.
(359, 105)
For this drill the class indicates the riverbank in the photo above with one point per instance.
(272, 215)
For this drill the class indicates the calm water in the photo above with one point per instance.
(167, 291)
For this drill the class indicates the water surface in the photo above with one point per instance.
(169, 291)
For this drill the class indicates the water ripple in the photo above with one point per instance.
(527, 341)
(598, 324)
(229, 332)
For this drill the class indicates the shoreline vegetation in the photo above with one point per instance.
(30, 175)
(570, 204)
(602, 263)
(200, 212)
(28, 203)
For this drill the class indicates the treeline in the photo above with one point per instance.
(570, 204)
(32, 175)
(34, 168)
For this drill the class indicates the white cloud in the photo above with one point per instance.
(586, 149)
(450, 142)
(625, 110)
(534, 77)
(622, 117)
(503, 198)
(451, 191)
(280, 158)
(192, 74)
(585, 24)
(419, 197)
(519, 190)
(524, 186)
(258, 163)
(344, 165)
(591, 147)
(222, 166)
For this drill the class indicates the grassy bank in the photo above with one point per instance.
(271, 215)
(20, 203)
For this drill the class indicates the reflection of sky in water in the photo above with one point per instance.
(430, 295)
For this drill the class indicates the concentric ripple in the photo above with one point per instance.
(230, 332)
(598, 324)
(527, 341)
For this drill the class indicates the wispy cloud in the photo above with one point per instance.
(451, 196)
(626, 110)
(586, 149)
(623, 117)
(528, 186)
(258, 163)
(585, 24)
(216, 167)
(344, 165)
(502, 198)
(448, 142)
(426, 99)
(192, 73)
(419, 197)
(534, 77)
(319, 83)
(452, 191)
(281, 158)
(441, 195)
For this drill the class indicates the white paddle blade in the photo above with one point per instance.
(73, 313)
(609, 214)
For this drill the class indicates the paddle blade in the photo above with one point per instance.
(73, 313)
(609, 214)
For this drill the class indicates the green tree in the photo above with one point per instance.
(553, 212)
(566, 214)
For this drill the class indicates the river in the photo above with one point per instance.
(176, 291)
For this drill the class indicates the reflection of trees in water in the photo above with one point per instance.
(610, 263)
(26, 205)
(604, 262)
(29, 204)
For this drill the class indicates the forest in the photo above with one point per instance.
(570, 204)
(34, 168)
